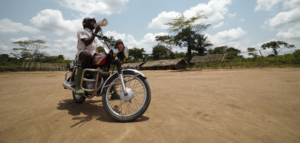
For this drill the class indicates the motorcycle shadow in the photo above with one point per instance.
(92, 109)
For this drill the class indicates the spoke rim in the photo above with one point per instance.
(132, 106)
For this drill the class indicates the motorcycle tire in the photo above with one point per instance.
(78, 99)
(115, 111)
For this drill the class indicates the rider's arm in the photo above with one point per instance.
(88, 41)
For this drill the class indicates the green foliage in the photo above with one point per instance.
(165, 40)
(148, 57)
(100, 49)
(112, 40)
(179, 55)
(232, 53)
(182, 22)
(201, 44)
(5, 60)
(277, 61)
(185, 30)
(185, 38)
(161, 52)
(60, 57)
(136, 53)
(30, 49)
(12, 68)
(251, 51)
(218, 50)
(282, 60)
(297, 54)
(276, 45)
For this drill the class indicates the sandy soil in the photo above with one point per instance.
(249, 105)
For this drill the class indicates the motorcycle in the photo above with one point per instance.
(125, 93)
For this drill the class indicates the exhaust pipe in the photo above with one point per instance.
(67, 86)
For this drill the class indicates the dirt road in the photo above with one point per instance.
(252, 105)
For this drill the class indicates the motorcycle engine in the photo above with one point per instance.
(91, 85)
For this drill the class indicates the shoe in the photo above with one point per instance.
(78, 89)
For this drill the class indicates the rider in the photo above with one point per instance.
(87, 47)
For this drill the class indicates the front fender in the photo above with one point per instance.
(124, 70)
(136, 71)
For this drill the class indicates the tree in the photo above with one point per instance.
(297, 57)
(232, 52)
(166, 41)
(201, 44)
(210, 51)
(181, 22)
(136, 53)
(112, 40)
(147, 57)
(276, 45)
(185, 38)
(179, 55)
(100, 49)
(251, 51)
(160, 52)
(172, 55)
(30, 49)
(40, 56)
(219, 50)
(50, 59)
(4, 59)
(60, 57)
(185, 29)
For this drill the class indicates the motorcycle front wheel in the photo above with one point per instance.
(126, 108)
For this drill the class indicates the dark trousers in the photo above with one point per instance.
(86, 59)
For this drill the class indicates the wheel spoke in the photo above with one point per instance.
(122, 108)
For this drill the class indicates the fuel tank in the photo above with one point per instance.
(99, 59)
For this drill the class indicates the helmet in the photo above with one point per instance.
(86, 22)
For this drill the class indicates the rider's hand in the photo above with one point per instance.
(104, 37)
(97, 29)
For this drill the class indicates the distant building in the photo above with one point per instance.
(132, 65)
(165, 64)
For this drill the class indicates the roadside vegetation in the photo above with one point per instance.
(184, 33)
(28, 51)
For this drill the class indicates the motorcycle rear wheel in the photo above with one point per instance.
(125, 111)
(78, 99)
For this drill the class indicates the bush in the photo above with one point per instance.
(296, 57)
(10, 68)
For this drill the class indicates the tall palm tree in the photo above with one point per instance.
(276, 45)
(201, 44)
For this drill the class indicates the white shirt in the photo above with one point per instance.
(85, 33)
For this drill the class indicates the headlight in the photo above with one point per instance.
(123, 52)
(115, 52)
(120, 50)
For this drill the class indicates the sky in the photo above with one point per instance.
(235, 23)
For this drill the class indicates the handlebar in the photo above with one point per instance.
(100, 37)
